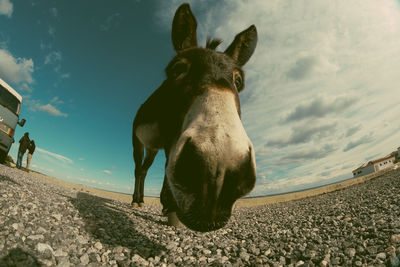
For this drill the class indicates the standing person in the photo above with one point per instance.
(31, 149)
(23, 145)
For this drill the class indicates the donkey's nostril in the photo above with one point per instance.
(189, 169)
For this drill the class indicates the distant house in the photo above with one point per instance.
(375, 165)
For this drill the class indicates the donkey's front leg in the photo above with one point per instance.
(138, 153)
(169, 205)
(141, 171)
(148, 160)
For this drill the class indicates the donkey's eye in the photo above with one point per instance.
(178, 69)
(238, 81)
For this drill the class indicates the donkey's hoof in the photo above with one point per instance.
(173, 220)
(141, 204)
(135, 205)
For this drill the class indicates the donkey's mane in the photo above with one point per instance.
(213, 43)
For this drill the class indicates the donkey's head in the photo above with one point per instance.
(210, 161)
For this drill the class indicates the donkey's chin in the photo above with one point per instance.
(195, 220)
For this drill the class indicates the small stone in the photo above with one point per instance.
(15, 226)
(94, 257)
(81, 240)
(299, 263)
(119, 257)
(45, 249)
(118, 249)
(244, 256)
(358, 263)
(335, 261)
(203, 259)
(207, 252)
(41, 230)
(138, 258)
(35, 237)
(57, 217)
(372, 250)
(172, 245)
(324, 263)
(381, 256)
(84, 259)
(395, 238)
(98, 246)
(64, 263)
(351, 252)
(267, 252)
(60, 253)
(104, 258)
(47, 262)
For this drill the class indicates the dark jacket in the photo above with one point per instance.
(31, 147)
(24, 143)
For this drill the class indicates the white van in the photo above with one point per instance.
(10, 106)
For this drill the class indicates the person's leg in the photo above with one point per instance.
(28, 161)
(19, 159)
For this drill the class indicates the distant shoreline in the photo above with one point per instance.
(244, 202)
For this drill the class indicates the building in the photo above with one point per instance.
(374, 166)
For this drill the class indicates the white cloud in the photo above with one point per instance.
(107, 171)
(41, 169)
(65, 75)
(52, 31)
(332, 62)
(320, 107)
(6, 8)
(36, 105)
(50, 109)
(53, 57)
(55, 100)
(15, 70)
(92, 182)
(59, 157)
(54, 12)
(112, 22)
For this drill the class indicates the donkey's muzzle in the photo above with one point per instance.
(206, 187)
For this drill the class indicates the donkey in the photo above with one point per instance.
(195, 117)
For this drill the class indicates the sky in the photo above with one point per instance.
(322, 89)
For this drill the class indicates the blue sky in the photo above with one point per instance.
(322, 89)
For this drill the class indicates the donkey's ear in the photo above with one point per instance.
(243, 46)
(184, 28)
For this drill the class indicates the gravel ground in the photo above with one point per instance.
(47, 224)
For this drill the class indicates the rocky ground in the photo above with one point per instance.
(47, 224)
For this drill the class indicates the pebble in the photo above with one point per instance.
(351, 252)
(57, 217)
(381, 256)
(35, 237)
(42, 248)
(60, 253)
(81, 240)
(395, 238)
(84, 259)
(98, 246)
